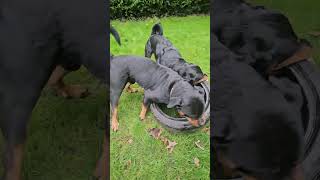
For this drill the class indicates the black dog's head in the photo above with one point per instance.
(264, 37)
(188, 100)
(268, 39)
(193, 74)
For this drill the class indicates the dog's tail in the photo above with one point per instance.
(157, 29)
(115, 34)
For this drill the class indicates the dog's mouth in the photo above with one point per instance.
(193, 122)
(204, 78)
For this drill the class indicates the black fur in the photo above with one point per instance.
(263, 37)
(36, 36)
(255, 126)
(160, 84)
(167, 55)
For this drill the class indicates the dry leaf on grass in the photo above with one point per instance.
(196, 162)
(206, 130)
(198, 144)
(164, 140)
(130, 141)
(314, 33)
(171, 145)
(155, 132)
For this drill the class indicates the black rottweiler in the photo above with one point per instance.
(265, 40)
(160, 84)
(257, 132)
(264, 37)
(35, 37)
(167, 55)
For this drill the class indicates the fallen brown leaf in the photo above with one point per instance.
(198, 144)
(130, 141)
(196, 162)
(314, 33)
(206, 130)
(155, 132)
(171, 145)
(164, 140)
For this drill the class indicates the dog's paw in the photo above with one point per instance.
(142, 116)
(115, 126)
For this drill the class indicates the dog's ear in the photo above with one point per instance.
(174, 101)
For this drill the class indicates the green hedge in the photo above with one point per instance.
(129, 9)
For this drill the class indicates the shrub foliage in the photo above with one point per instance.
(131, 9)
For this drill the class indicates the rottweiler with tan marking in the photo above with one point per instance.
(166, 54)
(160, 84)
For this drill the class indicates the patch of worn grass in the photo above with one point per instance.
(145, 157)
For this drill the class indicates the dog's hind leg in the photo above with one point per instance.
(114, 100)
(118, 81)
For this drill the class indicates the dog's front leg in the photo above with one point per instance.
(143, 112)
(114, 119)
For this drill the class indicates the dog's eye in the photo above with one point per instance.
(184, 74)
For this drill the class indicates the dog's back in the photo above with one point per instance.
(141, 70)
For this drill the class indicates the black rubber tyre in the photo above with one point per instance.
(308, 76)
(182, 124)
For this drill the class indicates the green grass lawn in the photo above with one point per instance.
(304, 16)
(135, 154)
(65, 136)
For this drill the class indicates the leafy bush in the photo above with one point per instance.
(130, 9)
